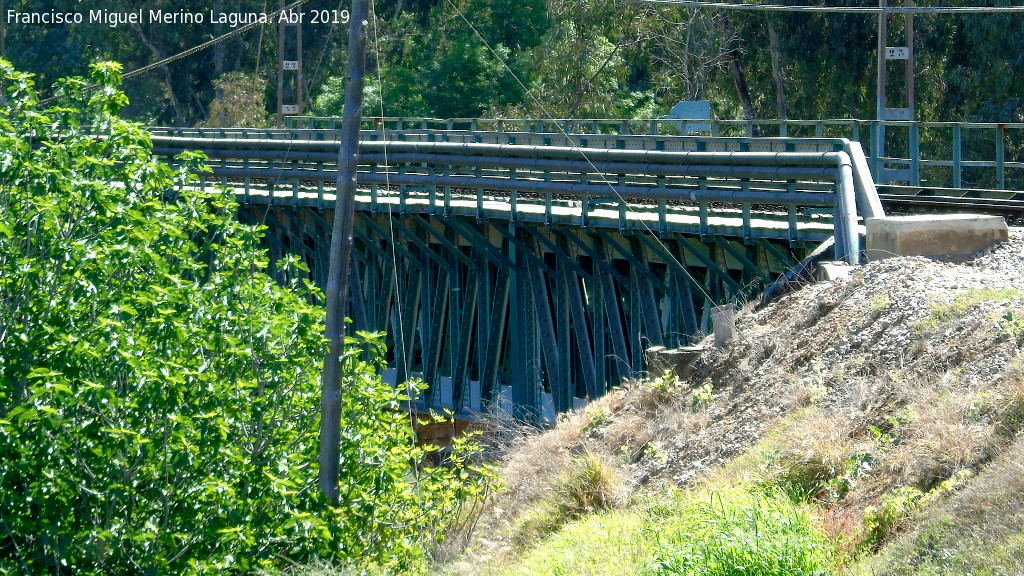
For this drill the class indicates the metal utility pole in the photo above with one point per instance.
(882, 111)
(341, 250)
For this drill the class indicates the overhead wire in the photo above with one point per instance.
(924, 10)
(575, 146)
(387, 186)
(193, 50)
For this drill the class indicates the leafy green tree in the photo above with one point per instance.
(581, 68)
(239, 102)
(158, 391)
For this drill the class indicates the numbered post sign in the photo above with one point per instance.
(289, 109)
(290, 65)
(900, 53)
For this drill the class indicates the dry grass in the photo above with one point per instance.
(805, 453)
(977, 530)
(591, 483)
(1007, 400)
(942, 436)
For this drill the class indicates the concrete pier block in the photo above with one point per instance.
(934, 235)
(679, 361)
(833, 271)
(723, 320)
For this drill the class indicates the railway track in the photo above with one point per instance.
(914, 200)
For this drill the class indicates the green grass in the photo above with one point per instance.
(738, 532)
(699, 533)
(946, 313)
(609, 543)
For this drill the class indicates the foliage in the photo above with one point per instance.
(331, 101)
(702, 396)
(665, 386)
(737, 532)
(158, 391)
(882, 520)
(239, 102)
(1013, 324)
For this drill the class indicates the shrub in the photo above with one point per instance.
(239, 102)
(812, 458)
(894, 508)
(159, 392)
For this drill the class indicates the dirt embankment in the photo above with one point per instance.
(906, 374)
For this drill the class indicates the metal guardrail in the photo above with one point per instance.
(728, 173)
(972, 155)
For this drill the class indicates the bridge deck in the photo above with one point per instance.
(806, 226)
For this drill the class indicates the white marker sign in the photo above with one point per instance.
(897, 53)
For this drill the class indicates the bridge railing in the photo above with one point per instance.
(573, 184)
(936, 155)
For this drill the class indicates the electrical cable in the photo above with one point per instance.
(193, 50)
(575, 146)
(922, 10)
(323, 53)
(387, 186)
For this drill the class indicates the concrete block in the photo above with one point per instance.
(724, 322)
(934, 235)
(833, 271)
(680, 361)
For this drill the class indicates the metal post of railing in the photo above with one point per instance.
(957, 160)
(876, 140)
(1000, 157)
(914, 147)
(847, 237)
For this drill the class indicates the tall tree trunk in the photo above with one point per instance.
(780, 82)
(3, 31)
(398, 9)
(218, 48)
(3, 47)
(740, 80)
(179, 118)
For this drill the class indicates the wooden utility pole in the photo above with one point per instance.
(341, 250)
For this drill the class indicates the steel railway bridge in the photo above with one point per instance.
(525, 270)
